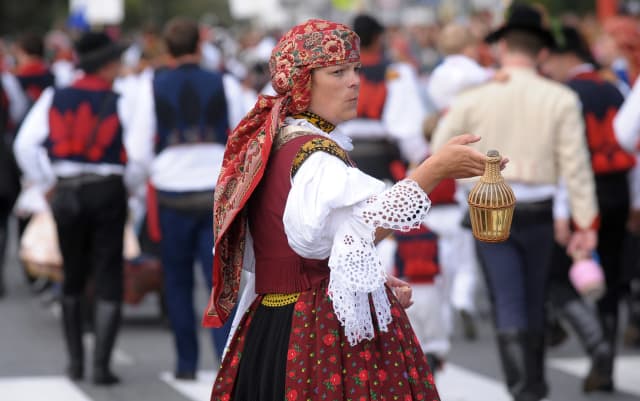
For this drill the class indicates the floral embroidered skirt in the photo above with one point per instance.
(299, 352)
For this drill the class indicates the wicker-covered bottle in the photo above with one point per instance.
(491, 203)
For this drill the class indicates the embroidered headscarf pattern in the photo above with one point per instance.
(313, 44)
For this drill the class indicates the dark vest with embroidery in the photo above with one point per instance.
(278, 268)
(600, 103)
(191, 107)
(76, 131)
(34, 79)
(417, 255)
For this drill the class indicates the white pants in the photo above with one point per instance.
(457, 257)
(427, 318)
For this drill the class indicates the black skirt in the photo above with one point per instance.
(261, 373)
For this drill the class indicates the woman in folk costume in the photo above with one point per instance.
(326, 322)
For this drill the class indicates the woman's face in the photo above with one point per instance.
(334, 92)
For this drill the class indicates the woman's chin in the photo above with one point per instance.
(349, 116)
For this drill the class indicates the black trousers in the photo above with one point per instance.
(5, 213)
(613, 201)
(517, 270)
(90, 219)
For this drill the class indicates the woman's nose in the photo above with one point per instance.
(354, 79)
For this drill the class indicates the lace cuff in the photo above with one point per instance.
(356, 268)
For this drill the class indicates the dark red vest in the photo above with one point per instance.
(278, 268)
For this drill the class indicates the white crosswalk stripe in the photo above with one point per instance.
(458, 384)
(52, 388)
(197, 390)
(626, 371)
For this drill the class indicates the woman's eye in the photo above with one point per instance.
(358, 69)
(338, 72)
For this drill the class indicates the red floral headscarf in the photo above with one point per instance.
(313, 44)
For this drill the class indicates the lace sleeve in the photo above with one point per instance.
(356, 269)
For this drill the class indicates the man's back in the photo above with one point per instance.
(537, 124)
(525, 118)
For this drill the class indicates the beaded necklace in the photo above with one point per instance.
(316, 120)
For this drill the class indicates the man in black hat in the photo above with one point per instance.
(571, 62)
(537, 124)
(73, 145)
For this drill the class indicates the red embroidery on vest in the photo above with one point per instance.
(417, 255)
(70, 133)
(606, 154)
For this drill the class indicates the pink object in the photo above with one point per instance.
(587, 278)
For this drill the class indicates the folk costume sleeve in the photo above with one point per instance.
(404, 111)
(627, 120)
(135, 174)
(333, 210)
(28, 147)
(18, 102)
(141, 131)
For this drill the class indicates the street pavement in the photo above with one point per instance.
(32, 359)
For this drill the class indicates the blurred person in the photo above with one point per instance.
(572, 63)
(390, 108)
(417, 263)
(422, 24)
(618, 48)
(290, 206)
(60, 47)
(480, 26)
(34, 76)
(387, 131)
(459, 71)
(32, 71)
(537, 123)
(9, 182)
(18, 103)
(73, 144)
(183, 116)
(627, 131)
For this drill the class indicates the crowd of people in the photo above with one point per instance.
(327, 167)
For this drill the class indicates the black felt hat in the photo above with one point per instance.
(367, 28)
(569, 40)
(96, 49)
(523, 18)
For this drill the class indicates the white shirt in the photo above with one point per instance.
(627, 121)
(18, 102)
(189, 167)
(455, 74)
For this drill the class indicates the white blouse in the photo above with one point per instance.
(333, 211)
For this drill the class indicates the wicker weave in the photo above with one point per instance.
(491, 203)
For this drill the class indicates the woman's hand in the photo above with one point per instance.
(454, 160)
(402, 290)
